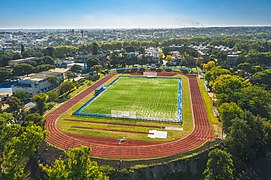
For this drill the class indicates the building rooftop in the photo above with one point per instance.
(42, 75)
(18, 60)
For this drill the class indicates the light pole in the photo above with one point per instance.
(120, 141)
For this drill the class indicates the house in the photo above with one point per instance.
(231, 59)
(38, 83)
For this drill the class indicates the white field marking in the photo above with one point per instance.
(157, 134)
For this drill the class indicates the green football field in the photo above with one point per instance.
(147, 97)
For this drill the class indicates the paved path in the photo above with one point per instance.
(131, 149)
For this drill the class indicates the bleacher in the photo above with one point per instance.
(99, 89)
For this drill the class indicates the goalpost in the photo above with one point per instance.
(123, 114)
(150, 74)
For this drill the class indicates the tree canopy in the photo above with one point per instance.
(77, 165)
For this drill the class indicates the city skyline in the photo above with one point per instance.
(48, 14)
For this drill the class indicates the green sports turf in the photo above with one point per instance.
(148, 97)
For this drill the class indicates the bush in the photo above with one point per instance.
(159, 70)
(152, 68)
(94, 78)
(168, 69)
(141, 69)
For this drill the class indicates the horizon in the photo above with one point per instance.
(139, 14)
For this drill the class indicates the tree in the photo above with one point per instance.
(209, 65)
(219, 166)
(52, 96)
(228, 112)
(66, 87)
(166, 50)
(23, 69)
(21, 94)
(15, 106)
(77, 165)
(160, 55)
(92, 61)
(229, 83)
(76, 68)
(262, 79)
(200, 61)
(40, 100)
(70, 74)
(169, 58)
(216, 71)
(97, 68)
(5, 73)
(22, 49)
(19, 143)
(53, 80)
(95, 48)
(35, 118)
(249, 135)
(256, 100)
(245, 66)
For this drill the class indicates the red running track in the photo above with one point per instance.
(132, 149)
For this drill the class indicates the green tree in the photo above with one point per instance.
(262, 79)
(228, 112)
(66, 87)
(76, 68)
(52, 96)
(166, 50)
(77, 165)
(169, 58)
(216, 71)
(256, 100)
(219, 166)
(21, 94)
(19, 143)
(40, 100)
(53, 80)
(15, 106)
(95, 48)
(35, 118)
(229, 83)
(97, 68)
(5, 73)
(92, 61)
(200, 61)
(23, 69)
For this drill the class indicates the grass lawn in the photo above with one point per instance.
(147, 97)
(187, 123)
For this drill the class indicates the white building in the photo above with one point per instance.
(37, 83)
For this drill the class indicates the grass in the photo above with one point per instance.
(172, 135)
(148, 98)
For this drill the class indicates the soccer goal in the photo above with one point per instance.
(123, 114)
(150, 74)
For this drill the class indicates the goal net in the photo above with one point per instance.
(123, 114)
(150, 74)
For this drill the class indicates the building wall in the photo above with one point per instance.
(36, 86)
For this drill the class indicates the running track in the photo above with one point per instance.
(132, 149)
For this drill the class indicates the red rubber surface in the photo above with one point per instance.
(132, 149)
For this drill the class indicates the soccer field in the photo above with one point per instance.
(149, 98)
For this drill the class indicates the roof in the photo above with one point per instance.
(42, 75)
(18, 60)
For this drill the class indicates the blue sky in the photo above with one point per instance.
(132, 13)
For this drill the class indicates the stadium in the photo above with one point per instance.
(133, 116)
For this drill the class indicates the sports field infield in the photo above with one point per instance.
(155, 98)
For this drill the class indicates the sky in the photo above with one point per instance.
(133, 13)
